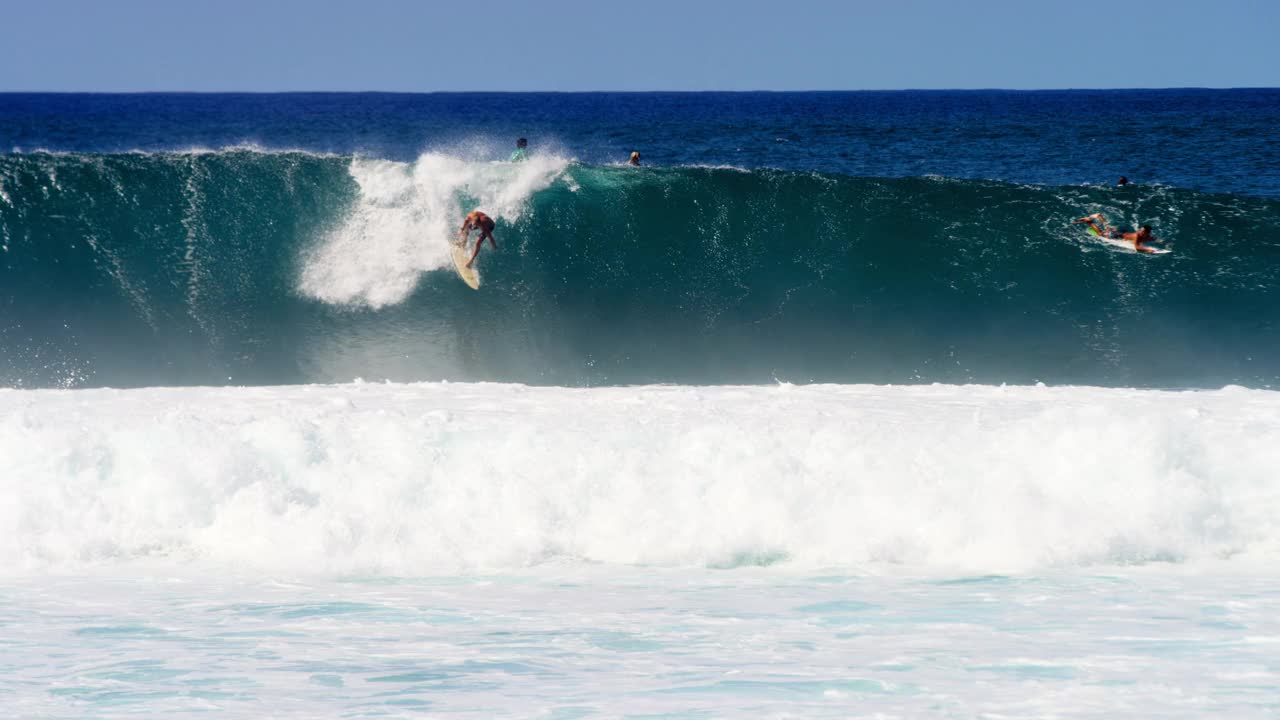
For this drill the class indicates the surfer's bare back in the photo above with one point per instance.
(477, 220)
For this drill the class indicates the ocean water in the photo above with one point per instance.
(824, 411)
(842, 238)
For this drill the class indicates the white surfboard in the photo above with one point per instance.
(1126, 244)
(460, 258)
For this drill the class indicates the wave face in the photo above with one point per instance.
(418, 479)
(247, 267)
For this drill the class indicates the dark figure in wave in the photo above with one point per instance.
(521, 153)
(477, 220)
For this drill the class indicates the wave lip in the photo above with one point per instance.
(446, 478)
(404, 218)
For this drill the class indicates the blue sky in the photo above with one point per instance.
(425, 45)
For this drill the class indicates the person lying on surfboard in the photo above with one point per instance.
(1099, 226)
(476, 220)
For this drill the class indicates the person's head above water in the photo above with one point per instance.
(635, 157)
(1144, 230)
(522, 143)
(1123, 180)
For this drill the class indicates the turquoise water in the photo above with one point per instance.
(244, 267)
(655, 643)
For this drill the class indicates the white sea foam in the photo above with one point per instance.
(437, 478)
(405, 217)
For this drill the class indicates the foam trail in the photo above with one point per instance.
(438, 478)
(404, 218)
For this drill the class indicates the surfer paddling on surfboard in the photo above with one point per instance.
(1098, 225)
(476, 220)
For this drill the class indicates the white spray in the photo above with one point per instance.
(405, 217)
(412, 479)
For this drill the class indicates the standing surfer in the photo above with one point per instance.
(476, 220)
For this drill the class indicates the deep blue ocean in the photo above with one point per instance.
(888, 237)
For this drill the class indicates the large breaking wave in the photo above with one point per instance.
(245, 267)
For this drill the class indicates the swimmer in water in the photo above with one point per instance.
(635, 158)
(521, 153)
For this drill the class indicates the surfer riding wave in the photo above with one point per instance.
(476, 220)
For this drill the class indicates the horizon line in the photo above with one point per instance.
(623, 92)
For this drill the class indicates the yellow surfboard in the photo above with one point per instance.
(460, 258)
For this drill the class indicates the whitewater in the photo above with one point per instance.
(404, 219)
(392, 479)
(384, 549)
